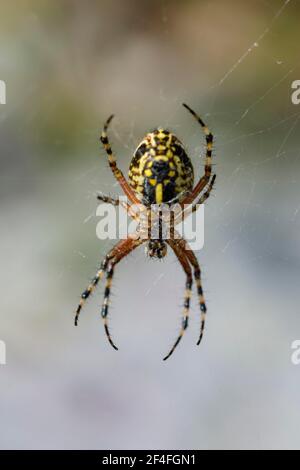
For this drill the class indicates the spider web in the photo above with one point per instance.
(238, 175)
(252, 169)
(250, 261)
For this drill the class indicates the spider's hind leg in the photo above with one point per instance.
(208, 159)
(205, 195)
(113, 164)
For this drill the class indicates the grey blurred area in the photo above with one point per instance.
(67, 66)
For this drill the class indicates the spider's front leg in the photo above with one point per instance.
(182, 258)
(197, 274)
(90, 289)
(117, 249)
(121, 250)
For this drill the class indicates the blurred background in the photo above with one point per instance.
(67, 66)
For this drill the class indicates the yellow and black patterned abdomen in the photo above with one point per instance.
(160, 169)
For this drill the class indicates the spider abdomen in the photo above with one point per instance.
(160, 169)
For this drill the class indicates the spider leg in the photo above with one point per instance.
(104, 310)
(200, 201)
(118, 202)
(129, 246)
(207, 169)
(108, 199)
(197, 274)
(118, 248)
(113, 164)
(206, 194)
(182, 258)
(89, 290)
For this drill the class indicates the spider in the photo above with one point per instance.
(160, 172)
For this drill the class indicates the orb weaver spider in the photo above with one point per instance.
(160, 172)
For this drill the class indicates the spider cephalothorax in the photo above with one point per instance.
(160, 174)
(160, 169)
(156, 249)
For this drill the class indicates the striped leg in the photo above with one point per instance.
(197, 274)
(207, 170)
(117, 249)
(188, 292)
(200, 201)
(130, 245)
(89, 290)
(108, 199)
(104, 310)
(118, 202)
(113, 164)
(205, 195)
